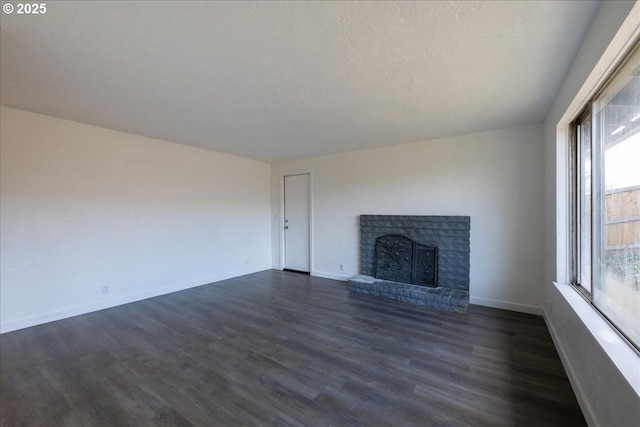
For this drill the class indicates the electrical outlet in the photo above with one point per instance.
(341, 267)
(105, 289)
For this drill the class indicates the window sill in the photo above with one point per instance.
(619, 351)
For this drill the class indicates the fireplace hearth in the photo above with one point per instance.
(416, 259)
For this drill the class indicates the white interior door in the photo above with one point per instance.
(297, 196)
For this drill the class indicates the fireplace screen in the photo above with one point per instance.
(401, 259)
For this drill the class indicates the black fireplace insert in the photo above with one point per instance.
(401, 259)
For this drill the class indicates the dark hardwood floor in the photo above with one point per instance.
(279, 348)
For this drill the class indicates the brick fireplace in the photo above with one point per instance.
(382, 259)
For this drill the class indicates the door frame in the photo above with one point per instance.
(281, 219)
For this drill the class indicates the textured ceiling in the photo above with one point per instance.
(283, 80)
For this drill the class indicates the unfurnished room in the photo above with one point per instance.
(320, 213)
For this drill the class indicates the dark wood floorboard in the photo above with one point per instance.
(280, 348)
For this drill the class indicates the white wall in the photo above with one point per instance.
(603, 369)
(83, 206)
(494, 177)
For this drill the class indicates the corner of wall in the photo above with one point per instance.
(574, 380)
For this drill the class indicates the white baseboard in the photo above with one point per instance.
(522, 308)
(325, 275)
(126, 299)
(587, 411)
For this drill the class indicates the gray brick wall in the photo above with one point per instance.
(451, 234)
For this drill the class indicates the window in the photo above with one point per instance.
(606, 200)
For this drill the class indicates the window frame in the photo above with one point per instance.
(597, 199)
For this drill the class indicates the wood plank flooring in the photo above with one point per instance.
(280, 348)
